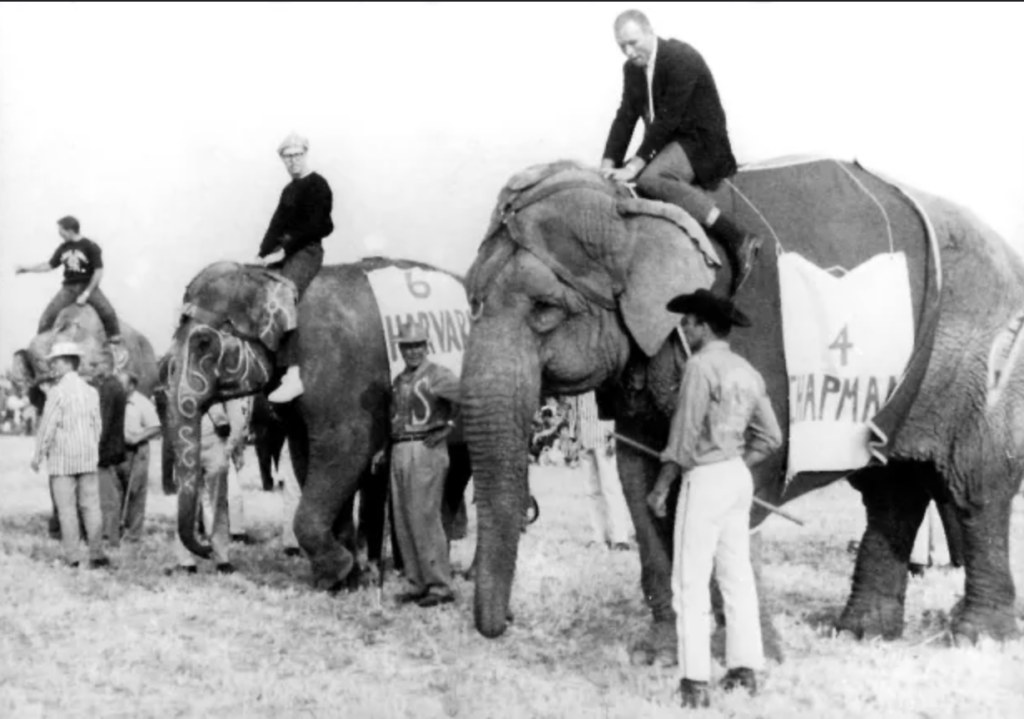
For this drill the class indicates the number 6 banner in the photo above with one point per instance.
(847, 341)
(436, 300)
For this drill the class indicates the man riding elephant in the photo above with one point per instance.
(292, 244)
(83, 269)
(686, 144)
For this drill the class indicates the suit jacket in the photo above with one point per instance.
(687, 110)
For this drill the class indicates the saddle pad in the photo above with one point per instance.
(434, 299)
(848, 341)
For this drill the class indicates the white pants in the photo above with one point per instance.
(930, 547)
(290, 495)
(713, 530)
(236, 509)
(609, 515)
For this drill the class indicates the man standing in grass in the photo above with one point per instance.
(68, 440)
(141, 424)
(722, 402)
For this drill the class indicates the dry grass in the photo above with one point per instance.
(134, 643)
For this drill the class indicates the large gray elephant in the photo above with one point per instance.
(568, 293)
(222, 349)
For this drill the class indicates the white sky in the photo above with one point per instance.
(157, 125)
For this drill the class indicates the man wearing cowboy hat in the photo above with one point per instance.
(423, 405)
(721, 397)
(292, 244)
(68, 439)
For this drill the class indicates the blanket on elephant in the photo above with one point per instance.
(837, 216)
(432, 298)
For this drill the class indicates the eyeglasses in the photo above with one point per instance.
(294, 156)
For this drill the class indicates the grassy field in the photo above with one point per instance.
(134, 643)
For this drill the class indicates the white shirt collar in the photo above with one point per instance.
(651, 62)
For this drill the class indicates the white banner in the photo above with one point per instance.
(848, 341)
(434, 299)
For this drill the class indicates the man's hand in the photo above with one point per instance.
(35, 465)
(657, 500)
(20, 269)
(436, 437)
(628, 172)
(377, 462)
(607, 168)
(82, 298)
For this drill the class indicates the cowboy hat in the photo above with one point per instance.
(65, 349)
(412, 333)
(708, 306)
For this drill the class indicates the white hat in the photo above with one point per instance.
(65, 349)
(294, 140)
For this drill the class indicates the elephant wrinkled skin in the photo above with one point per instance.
(568, 293)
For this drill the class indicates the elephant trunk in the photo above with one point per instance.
(183, 431)
(501, 386)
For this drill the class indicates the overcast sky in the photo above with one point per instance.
(157, 126)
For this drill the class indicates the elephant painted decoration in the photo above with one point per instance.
(222, 349)
(81, 324)
(568, 294)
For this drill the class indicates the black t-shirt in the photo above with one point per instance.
(81, 258)
(304, 214)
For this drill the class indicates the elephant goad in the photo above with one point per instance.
(569, 290)
(81, 324)
(223, 348)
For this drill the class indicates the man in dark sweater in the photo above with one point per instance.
(113, 469)
(83, 269)
(686, 146)
(293, 245)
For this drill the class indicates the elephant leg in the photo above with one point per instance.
(895, 498)
(329, 491)
(373, 492)
(988, 603)
(453, 507)
(638, 474)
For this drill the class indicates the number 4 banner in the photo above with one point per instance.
(847, 340)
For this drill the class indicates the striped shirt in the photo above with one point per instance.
(590, 430)
(68, 437)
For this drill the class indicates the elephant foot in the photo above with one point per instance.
(972, 623)
(868, 616)
(658, 646)
(337, 577)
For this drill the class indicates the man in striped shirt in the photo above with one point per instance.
(68, 439)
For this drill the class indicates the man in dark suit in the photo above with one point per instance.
(686, 146)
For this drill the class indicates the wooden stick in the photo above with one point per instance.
(760, 502)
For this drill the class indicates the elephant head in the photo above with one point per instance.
(571, 279)
(232, 320)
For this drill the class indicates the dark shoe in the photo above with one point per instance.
(434, 599)
(99, 563)
(292, 552)
(242, 538)
(917, 570)
(174, 571)
(226, 568)
(73, 565)
(410, 597)
(694, 694)
(621, 547)
(740, 677)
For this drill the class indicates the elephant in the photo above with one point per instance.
(81, 324)
(224, 348)
(568, 293)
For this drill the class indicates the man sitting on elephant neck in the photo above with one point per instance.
(423, 405)
(686, 144)
(292, 244)
(721, 397)
(83, 269)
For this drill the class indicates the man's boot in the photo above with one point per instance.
(741, 247)
(740, 677)
(290, 387)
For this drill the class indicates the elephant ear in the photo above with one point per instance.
(247, 300)
(667, 260)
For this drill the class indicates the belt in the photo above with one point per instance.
(408, 438)
(135, 447)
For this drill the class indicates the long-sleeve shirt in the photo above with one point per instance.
(303, 216)
(68, 437)
(112, 409)
(423, 399)
(721, 397)
(139, 415)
